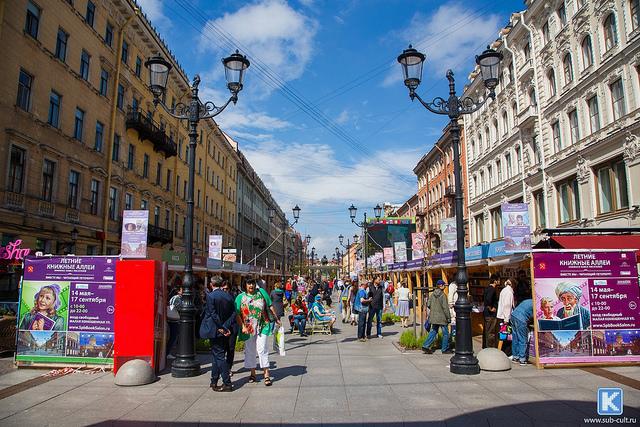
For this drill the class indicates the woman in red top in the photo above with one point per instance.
(300, 312)
(287, 291)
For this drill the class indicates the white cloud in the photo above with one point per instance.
(277, 36)
(450, 38)
(343, 117)
(154, 12)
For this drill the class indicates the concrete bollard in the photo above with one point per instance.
(135, 372)
(492, 359)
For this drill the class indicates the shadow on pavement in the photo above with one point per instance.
(559, 412)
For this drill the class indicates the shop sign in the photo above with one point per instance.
(174, 258)
(586, 306)
(496, 249)
(66, 311)
(13, 251)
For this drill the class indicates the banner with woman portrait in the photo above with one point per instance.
(66, 311)
(586, 306)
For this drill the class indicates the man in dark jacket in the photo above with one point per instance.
(220, 314)
(375, 308)
(489, 336)
(439, 317)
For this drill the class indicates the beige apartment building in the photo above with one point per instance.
(80, 138)
(563, 132)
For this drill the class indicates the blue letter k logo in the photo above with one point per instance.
(610, 401)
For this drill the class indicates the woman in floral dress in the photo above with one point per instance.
(253, 319)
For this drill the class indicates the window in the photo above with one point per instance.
(198, 199)
(113, 203)
(612, 187)
(568, 68)
(78, 124)
(25, 81)
(505, 123)
(120, 102)
(569, 200)
(499, 170)
(557, 138)
(533, 101)
(617, 99)
(74, 183)
(634, 6)
(131, 157)
(85, 58)
(48, 172)
(104, 82)
(594, 113)
(33, 20)
(95, 197)
(546, 35)
(115, 152)
(61, 45)
(562, 15)
(134, 103)
(496, 223)
(538, 197)
(138, 66)
(167, 218)
(587, 52)
(108, 34)
(479, 220)
(574, 126)
(125, 51)
(527, 51)
(507, 160)
(482, 183)
(551, 83)
(99, 137)
(144, 204)
(178, 185)
(168, 185)
(16, 170)
(89, 17)
(128, 201)
(156, 216)
(158, 173)
(145, 166)
(610, 32)
(54, 109)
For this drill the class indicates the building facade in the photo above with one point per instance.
(82, 140)
(436, 187)
(562, 133)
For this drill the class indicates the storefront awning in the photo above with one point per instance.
(593, 241)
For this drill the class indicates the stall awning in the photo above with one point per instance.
(593, 241)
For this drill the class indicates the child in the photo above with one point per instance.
(44, 314)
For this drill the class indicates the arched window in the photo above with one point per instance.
(610, 32)
(587, 52)
(495, 130)
(514, 113)
(568, 68)
(487, 136)
(634, 8)
(533, 100)
(480, 148)
(551, 83)
(473, 149)
(505, 123)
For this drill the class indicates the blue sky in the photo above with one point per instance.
(324, 117)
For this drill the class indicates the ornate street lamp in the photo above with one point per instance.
(348, 245)
(464, 361)
(352, 214)
(185, 363)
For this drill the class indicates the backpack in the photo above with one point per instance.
(390, 289)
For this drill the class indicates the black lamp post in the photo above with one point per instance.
(341, 240)
(464, 361)
(284, 225)
(352, 213)
(185, 363)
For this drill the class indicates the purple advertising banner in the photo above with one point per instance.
(134, 234)
(66, 311)
(516, 227)
(587, 306)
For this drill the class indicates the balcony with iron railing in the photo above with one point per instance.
(151, 131)
(449, 191)
(159, 234)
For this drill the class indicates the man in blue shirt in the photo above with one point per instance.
(521, 316)
(361, 305)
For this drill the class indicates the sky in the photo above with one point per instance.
(324, 117)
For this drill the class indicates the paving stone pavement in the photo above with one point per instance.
(324, 380)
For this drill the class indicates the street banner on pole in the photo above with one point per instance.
(388, 255)
(215, 246)
(134, 234)
(516, 227)
(378, 259)
(66, 311)
(229, 254)
(586, 307)
(418, 242)
(449, 235)
(401, 251)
